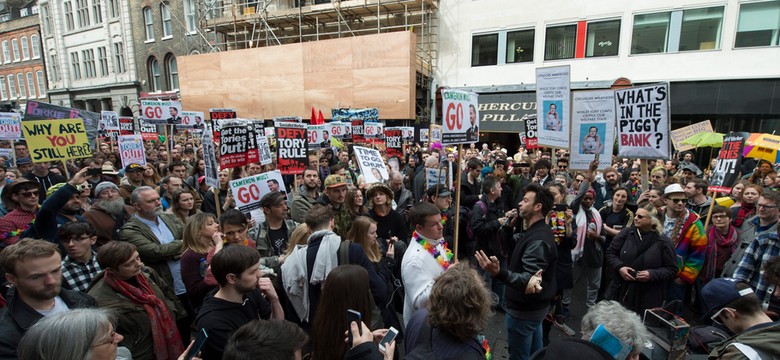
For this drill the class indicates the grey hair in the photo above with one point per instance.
(619, 321)
(395, 175)
(67, 335)
(135, 196)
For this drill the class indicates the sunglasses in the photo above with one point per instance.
(766, 206)
(29, 194)
(81, 188)
(562, 166)
(640, 217)
(676, 201)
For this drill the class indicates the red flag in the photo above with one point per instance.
(320, 118)
(313, 119)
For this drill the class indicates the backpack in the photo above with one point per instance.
(702, 339)
(469, 225)
(423, 347)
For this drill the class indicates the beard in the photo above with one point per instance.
(156, 212)
(114, 206)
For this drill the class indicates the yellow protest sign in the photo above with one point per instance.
(55, 140)
(685, 132)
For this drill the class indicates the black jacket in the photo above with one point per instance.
(469, 193)
(535, 250)
(17, 317)
(221, 318)
(486, 226)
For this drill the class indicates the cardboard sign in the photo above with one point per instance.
(643, 121)
(10, 126)
(371, 165)
(373, 130)
(191, 119)
(531, 129)
(237, 146)
(131, 150)
(161, 112)
(210, 160)
(319, 136)
(126, 125)
(593, 128)
(393, 141)
(685, 132)
(461, 117)
(249, 190)
(552, 97)
(726, 171)
(291, 148)
(56, 140)
(36, 110)
(109, 121)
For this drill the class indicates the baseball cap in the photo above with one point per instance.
(133, 167)
(438, 191)
(23, 161)
(720, 292)
(673, 189)
(335, 180)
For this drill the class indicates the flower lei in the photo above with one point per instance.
(488, 354)
(443, 217)
(17, 232)
(558, 224)
(633, 187)
(442, 259)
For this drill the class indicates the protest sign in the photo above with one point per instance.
(458, 129)
(249, 190)
(109, 121)
(434, 176)
(294, 119)
(237, 146)
(407, 133)
(356, 117)
(435, 133)
(319, 136)
(552, 99)
(6, 154)
(338, 129)
(371, 165)
(357, 131)
(191, 119)
(373, 130)
(726, 171)
(210, 160)
(424, 135)
(643, 121)
(56, 140)
(126, 126)
(36, 110)
(270, 131)
(593, 128)
(148, 131)
(131, 150)
(216, 114)
(161, 112)
(393, 141)
(264, 150)
(10, 126)
(685, 132)
(291, 147)
(531, 130)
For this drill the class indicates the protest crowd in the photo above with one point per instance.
(104, 261)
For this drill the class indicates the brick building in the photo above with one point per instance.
(22, 71)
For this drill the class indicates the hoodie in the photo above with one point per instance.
(221, 318)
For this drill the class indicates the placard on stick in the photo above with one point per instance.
(291, 145)
(371, 165)
(56, 140)
(643, 121)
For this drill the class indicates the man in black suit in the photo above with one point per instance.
(472, 134)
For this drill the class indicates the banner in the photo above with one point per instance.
(338, 129)
(552, 96)
(433, 176)
(131, 150)
(356, 117)
(191, 119)
(161, 112)
(264, 150)
(373, 130)
(56, 140)
(643, 121)
(319, 136)
(371, 165)
(407, 133)
(593, 128)
(36, 110)
(237, 145)
(291, 148)
(216, 114)
(455, 105)
(10, 126)
(726, 171)
(685, 132)
(248, 191)
(210, 160)
(393, 142)
(148, 131)
(126, 126)
(424, 138)
(435, 133)
(109, 121)
(531, 130)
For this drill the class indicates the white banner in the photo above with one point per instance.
(109, 121)
(552, 100)
(319, 136)
(210, 159)
(131, 150)
(161, 112)
(264, 150)
(424, 135)
(436, 133)
(643, 121)
(460, 110)
(407, 133)
(10, 126)
(191, 119)
(371, 165)
(338, 129)
(435, 176)
(248, 191)
(593, 128)
(373, 130)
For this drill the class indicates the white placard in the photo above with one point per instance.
(593, 128)
(109, 121)
(248, 191)
(460, 110)
(371, 165)
(643, 121)
(552, 99)
(131, 150)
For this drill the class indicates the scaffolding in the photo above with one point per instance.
(256, 23)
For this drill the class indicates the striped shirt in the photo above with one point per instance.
(750, 268)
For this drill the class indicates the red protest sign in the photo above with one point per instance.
(291, 143)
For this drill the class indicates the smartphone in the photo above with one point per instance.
(357, 317)
(94, 172)
(559, 208)
(199, 342)
(389, 337)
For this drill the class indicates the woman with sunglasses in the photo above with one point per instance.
(642, 261)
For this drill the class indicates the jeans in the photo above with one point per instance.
(523, 337)
(494, 285)
(675, 291)
(593, 276)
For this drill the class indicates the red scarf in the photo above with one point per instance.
(745, 211)
(167, 343)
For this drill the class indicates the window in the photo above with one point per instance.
(30, 85)
(3, 91)
(22, 88)
(484, 50)
(701, 29)
(25, 48)
(75, 66)
(88, 57)
(12, 86)
(82, 13)
(167, 26)
(560, 42)
(154, 74)
(173, 72)
(46, 20)
(97, 14)
(41, 83)
(55, 67)
(149, 22)
(119, 58)
(6, 52)
(651, 33)
(520, 46)
(211, 9)
(603, 38)
(113, 8)
(103, 60)
(69, 16)
(190, 16)
(36, 46)
(759, 24)
(15, 47)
